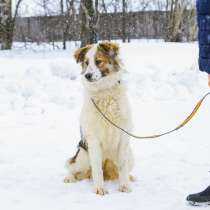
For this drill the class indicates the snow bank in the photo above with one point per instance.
(162, 72)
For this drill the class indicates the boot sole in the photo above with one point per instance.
(199, 204)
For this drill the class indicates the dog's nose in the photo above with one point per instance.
(88, 76)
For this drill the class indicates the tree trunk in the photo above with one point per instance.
(89, 22)
(63, 24)
(6, 24)
(124, 21)
(174, 19)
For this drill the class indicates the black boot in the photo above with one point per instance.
(198, 199)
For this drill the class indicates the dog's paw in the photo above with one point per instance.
(69, 179)
(101, 191)
(124, 188)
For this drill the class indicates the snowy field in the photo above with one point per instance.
(40, 102)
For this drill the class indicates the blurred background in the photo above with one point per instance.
(87, 21)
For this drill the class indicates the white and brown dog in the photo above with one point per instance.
(104, 152)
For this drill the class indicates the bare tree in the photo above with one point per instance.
(147, 4)
(89, 15)
(174, 19)
(190, 22)
(7, 23)
(116, 4)
(124, 20)
(68, 17)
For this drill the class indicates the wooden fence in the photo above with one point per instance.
(146, 24)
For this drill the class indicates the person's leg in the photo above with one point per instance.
(198, 199)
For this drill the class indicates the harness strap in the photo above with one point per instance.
(186, 121)
(83, 144)
(73, 159)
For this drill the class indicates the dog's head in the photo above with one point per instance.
(99, 61)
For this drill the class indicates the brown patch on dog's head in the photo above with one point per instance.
(106, 57)
(103, 62)
(109, 48)
(79, 54)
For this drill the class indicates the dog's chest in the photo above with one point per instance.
(112, 108)
(95, 124)
(107, 134)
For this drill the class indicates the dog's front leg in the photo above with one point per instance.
(96, 166)
(123, 164)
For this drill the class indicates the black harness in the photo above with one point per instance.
(82, 145)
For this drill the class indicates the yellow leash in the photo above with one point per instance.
(188, 119)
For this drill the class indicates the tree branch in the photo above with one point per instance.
(16, 9)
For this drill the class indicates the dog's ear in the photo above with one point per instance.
(79, 54)
(110, 48)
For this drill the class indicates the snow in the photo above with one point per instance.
(40, 102)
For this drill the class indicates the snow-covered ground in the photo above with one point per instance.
(40, 102)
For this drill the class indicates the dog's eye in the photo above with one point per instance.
(87, 62)
(98, 62)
